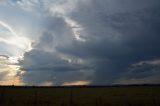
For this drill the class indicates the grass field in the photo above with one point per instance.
(80, 96)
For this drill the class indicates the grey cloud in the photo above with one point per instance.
(37, 60)
(118, 38)
(117, 33)
(45, 63)
(44, 66)
(142, 72)
(58, 78)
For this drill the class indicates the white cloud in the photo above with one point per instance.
(13, 38)
(155, 62)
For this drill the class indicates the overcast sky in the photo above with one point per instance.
(79, 42)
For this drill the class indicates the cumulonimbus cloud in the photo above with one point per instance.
(114, 39)
(94, 41)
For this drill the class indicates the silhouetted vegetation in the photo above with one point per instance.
(136, 95)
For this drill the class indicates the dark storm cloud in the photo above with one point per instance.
(41, 61)
(142, 72)
(117, 35)
(45, 63)
(117, 39)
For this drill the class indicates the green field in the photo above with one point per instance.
(80, 96)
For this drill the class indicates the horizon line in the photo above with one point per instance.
(79, 86)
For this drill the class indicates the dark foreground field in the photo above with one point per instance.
(80, 96)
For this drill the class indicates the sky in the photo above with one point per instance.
(79, 42)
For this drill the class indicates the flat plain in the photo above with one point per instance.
(80, 96)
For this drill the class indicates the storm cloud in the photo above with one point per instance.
(99, 42)
(118, 37)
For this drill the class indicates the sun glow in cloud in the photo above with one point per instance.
(14, 39)
(76, 83)
(9, 68)
(12, 81)
(46, 83)
(9, 72)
